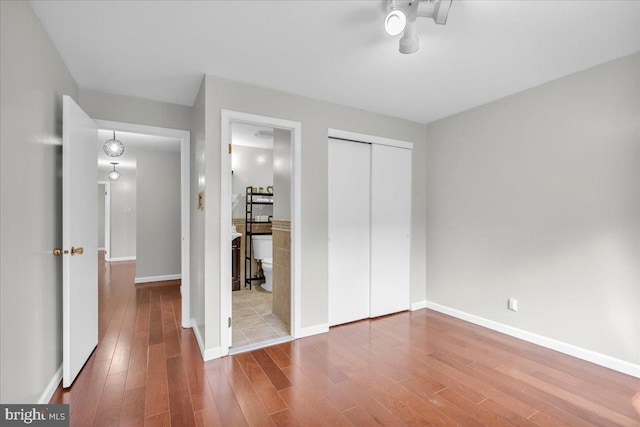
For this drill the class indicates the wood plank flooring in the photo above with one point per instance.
(419, 368)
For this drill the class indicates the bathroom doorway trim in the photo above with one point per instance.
(185, 196)
(228, 117)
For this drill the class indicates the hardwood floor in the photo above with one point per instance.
(419, 368)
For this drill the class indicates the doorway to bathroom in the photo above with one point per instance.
(261, 219)
(260, 309)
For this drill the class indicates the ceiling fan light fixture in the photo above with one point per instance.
(409, 43)
(113, 147)
(395, 22)
(114, 175)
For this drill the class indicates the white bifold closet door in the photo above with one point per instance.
(369, 230)
(349, 231)
(390, 229)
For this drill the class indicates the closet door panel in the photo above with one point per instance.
(390, 229)
(349, 233)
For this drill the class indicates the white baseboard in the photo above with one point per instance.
(207, 354)
(149, 279)
(418, 305)
(122, 258)
(47, 394)
(101, 249)
(199, 339)
(570, 349)
(212, 353)
(313, 330)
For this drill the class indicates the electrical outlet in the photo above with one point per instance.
(513, 304)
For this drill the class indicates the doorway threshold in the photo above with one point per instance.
(262, 344)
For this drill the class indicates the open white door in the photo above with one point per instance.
(79, 239)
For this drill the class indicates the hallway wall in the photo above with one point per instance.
(158, 232)
(123, 213)
(33, 79)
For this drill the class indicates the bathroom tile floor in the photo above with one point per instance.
(252, 318)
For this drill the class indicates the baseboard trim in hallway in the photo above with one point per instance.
(207, 354)
(149, 279)
(563, 347)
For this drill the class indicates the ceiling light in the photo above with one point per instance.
(113, 147)
(402, 18)
(395, 22)
(409, 42)
(265, 134)
(114, 175)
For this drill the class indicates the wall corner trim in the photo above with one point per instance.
(212, 353)
(47, 394)
(418, 305)
(149, 279)
(312, 330)
(209, 353)
(562, 347)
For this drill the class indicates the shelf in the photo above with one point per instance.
(253, 198)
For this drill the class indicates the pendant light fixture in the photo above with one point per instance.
(113, 147)
(114, 175)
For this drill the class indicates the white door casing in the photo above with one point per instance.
(79, 230)
(226, 118)
(349, 231)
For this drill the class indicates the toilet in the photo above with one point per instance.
(263, 250)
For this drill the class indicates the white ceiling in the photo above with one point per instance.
(132, 143)
(337, 50)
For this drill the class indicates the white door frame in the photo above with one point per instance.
(227, 117)
(107, 219)
(185, 196)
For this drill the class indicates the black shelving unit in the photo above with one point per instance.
(249, 220)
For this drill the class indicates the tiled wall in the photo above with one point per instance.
(281, 230)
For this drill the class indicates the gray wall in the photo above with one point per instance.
(123, 213)
(128, 109)
(248, 170)
(316, 117)
(101, 217)
(281, 174)
(33, 79)
(536, 196)
(158, 232)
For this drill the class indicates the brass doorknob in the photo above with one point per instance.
(57, 251)
(78, 251)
